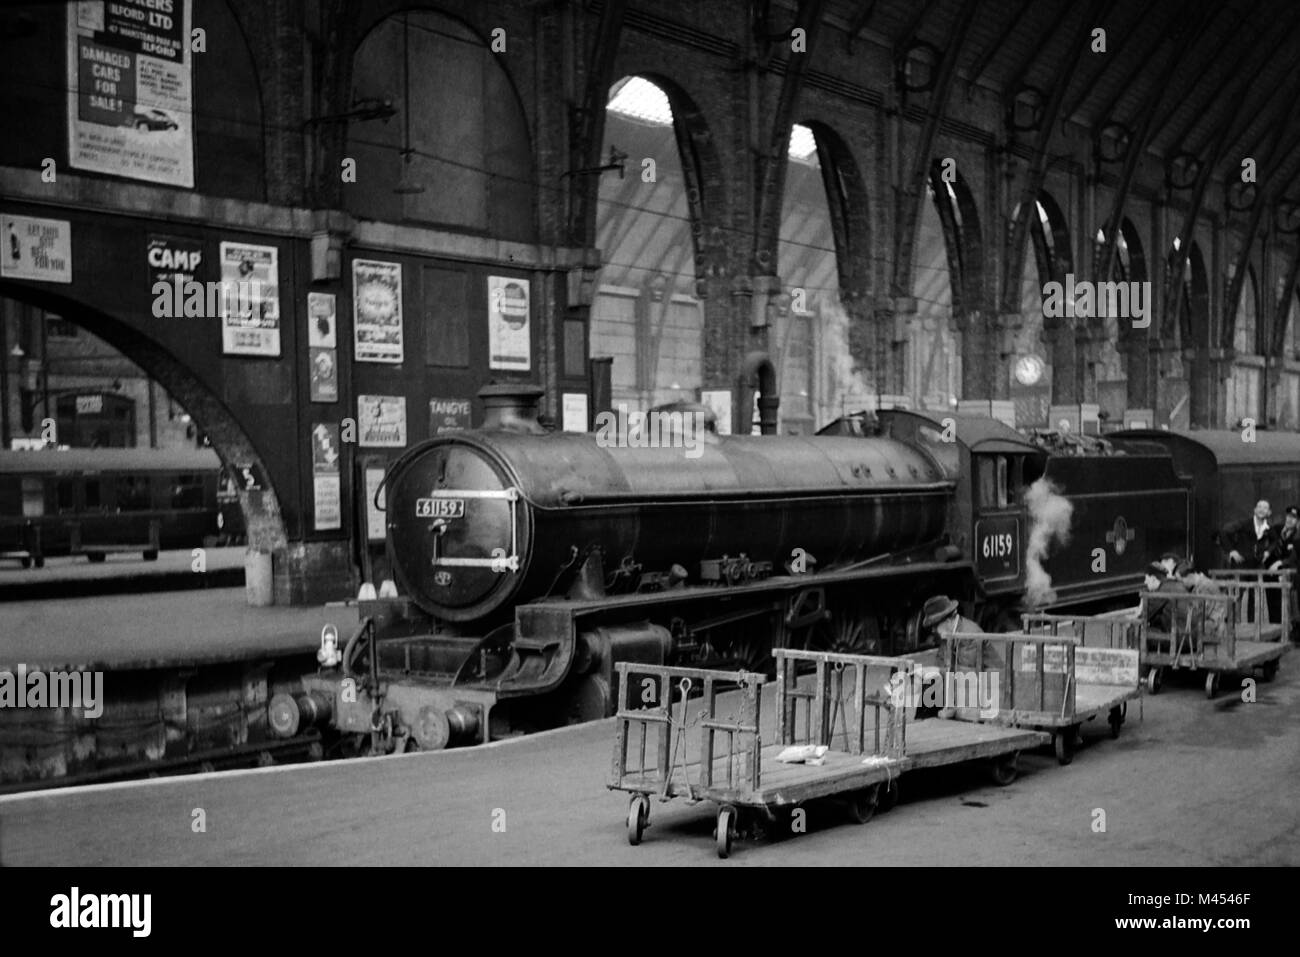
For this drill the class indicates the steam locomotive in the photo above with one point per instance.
(528, 562)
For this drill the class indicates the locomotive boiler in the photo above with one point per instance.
(529, 562)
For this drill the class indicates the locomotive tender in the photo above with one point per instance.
(529, 562)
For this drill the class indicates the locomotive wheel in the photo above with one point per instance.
(845, 633)
(726, 831)
(862, 804)
(1004, 769)
(638, 818)
(1211, 684)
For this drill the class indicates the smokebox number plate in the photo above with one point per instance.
(439, 508)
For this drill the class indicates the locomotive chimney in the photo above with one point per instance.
(512, 407)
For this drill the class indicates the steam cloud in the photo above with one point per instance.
(1049, 521)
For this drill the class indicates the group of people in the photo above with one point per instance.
(1254, 543)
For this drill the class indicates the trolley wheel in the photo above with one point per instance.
(27, 562)
(1116, 721)
(888, 797)
(1063, 740)
(1154, 680)
(638, 813)
(726, 831)
(1004, 769)
(1211, 684)
(862, 804)
(1270, 670)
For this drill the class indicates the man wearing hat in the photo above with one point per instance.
(1286, 557)
(940, 615)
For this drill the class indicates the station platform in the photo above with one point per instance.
(68, 576)
(1174, 787)
(167, 629)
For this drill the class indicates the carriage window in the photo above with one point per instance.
(132, 493)
(33, 497)
(1002, 481)
(187, 491)
(92, 493)
(64, 495)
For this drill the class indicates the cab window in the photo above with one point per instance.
(993, 478)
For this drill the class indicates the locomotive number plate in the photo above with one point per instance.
(997, 548)
(439, 508)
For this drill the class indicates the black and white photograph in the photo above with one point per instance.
(690, 434)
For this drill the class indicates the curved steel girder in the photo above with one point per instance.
(1264, 198)
(1015, 258)
(1191, 32)
(588, 126)
(1283, 309)
(909, 210)
(771, 171)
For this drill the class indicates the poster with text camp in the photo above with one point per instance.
(130, 90)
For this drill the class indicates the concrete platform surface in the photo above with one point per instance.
(1196, 782)
(73, 575)
(153, 630)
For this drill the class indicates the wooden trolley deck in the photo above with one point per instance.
(1208, 632)
(854, 732)
(1051, 680)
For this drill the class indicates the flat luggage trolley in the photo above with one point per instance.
(1050, 681)
(1206, 636)
(1253, 588)
(842, 732)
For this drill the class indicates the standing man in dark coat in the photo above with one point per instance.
(1252, 544)
(1286, 557)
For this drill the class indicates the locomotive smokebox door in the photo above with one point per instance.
(456, 530)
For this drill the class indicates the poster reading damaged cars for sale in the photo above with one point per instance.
(130, 90)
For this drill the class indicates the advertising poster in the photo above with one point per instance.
(574, 418)
(377, 310)
(324, 375)
(324, 448)
(173, 259)
(375, 530)
(381, 420)
(250, 304)
(130, 90)
(448, 415)
(322, 320)
(508, 326)
(39, 249)
(327, 494)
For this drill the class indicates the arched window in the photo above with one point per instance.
(645, 313)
